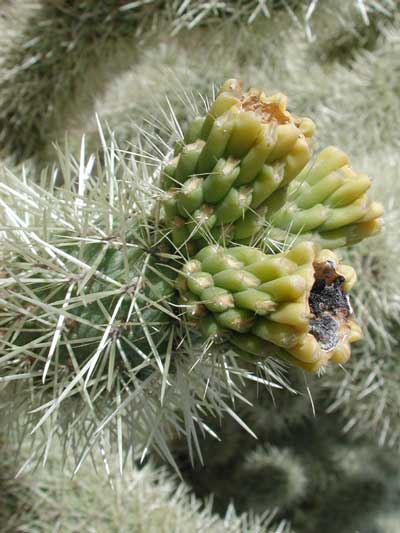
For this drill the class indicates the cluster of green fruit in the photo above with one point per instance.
(243, 175)
(245, 168)
(230, 163)
(293, 304)
(326, 202)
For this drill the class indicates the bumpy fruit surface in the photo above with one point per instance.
(231, 161)
(326, 202)
(292, 305)
(244, 171)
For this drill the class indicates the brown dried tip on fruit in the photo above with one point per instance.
(268, 111)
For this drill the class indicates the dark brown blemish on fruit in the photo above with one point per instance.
(329, 305)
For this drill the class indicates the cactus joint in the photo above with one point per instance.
(329, 305)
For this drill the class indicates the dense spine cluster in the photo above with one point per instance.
(291, 305)
(131, 302)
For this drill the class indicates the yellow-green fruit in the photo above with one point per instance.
(248, 162)
(293, 305)
(326, 202)
(231, 161)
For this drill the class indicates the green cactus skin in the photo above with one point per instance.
(187, 161)
(220, 180)
(292, 305)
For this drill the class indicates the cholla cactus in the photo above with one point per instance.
(47, 69)
(231, 162)
(317, 476)
(327, 199)
(89, 307)
(368, 393)
(90, 334)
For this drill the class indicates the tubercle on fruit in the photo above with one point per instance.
(293, 305)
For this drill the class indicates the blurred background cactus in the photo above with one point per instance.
(76, 215)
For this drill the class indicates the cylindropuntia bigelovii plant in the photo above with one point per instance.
(100, 293)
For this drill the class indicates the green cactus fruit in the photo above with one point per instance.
(167, 179)
(245, 169)
(230, 162)
(187, 161)
(326, 202)
(293, 305)
(220, 180)
(217, 299)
